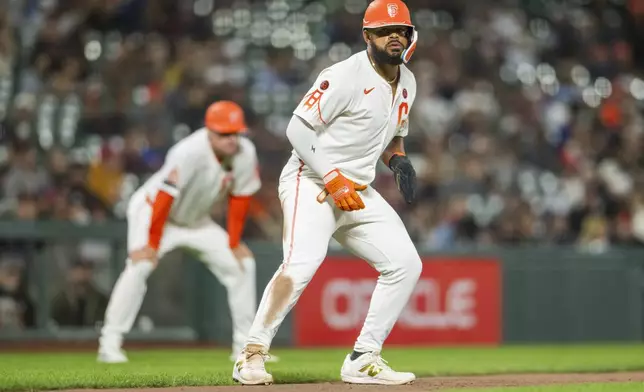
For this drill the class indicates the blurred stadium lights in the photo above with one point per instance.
(140, 96)
(355, 6)
(93, 50)
(603, 87)
(443, 20)
(203, 7)
(551, 88)
(546, 73)
(424, 19)
(580, 75)
(234, 48)
(297, 22)
(180, 131)
(316, 12)
(637, 89)
(46, 113)
(508, 73)
(590, 97)
(71, 113)
(223, 22)
(242, 17)
(6, 86)
(216, 74)
(237, 75)
(540, 28)
(278, 10)
(281, 38)
(305, 50)
(113, 45)
(460, 39)
(526, 74)
(339, 51)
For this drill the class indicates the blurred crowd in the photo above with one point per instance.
(527, 127)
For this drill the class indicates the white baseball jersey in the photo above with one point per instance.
(355, 115)
(201, 179)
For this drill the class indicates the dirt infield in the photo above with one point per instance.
(423, 384)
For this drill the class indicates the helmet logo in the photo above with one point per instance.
(392, 9)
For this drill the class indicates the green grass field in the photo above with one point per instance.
(603, 387)
(162, 368)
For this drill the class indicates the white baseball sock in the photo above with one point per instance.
(125, 302)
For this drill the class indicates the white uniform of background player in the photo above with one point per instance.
(172, 210)
(355, 114)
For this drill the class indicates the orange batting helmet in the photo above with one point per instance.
(382, 13)
(225, 117)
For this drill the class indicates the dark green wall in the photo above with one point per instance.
(549, 294)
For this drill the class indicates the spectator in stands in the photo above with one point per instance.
(6, 43)
(79, 303)
(16, 309)
(25, 175)
(529, 116)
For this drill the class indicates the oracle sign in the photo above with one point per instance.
(459, 303)
(453, 302)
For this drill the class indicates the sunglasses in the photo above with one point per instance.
(386, 31)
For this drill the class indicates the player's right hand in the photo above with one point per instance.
(242, 252)
(343, 191)
(147, 253)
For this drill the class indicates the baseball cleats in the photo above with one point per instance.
(271, 358)
(370, 368)
(111, 356)
(249, 368)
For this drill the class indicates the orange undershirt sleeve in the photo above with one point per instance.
(161, 207)
(238, 207)
(160, 211)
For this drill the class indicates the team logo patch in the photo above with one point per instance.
(405, 93)
(392, 9)
(324, 85)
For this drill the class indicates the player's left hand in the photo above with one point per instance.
(405, 176)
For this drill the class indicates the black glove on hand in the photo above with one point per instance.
(405, 176)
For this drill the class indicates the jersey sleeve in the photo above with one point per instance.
(403, 128)
(404, 108)
(175, 172)
(327, 99)
(246, 180)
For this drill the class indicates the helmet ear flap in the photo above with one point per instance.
(407, 53)
(410, 33)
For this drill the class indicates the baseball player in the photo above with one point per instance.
(172, 210)
(354, 115)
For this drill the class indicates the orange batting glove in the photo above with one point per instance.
(343, 191)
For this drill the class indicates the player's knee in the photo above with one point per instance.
(408, 269)
(414, 268)
(249, 264)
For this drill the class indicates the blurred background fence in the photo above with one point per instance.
(505, 295)
(526, 135)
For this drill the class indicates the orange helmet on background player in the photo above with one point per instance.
(382, 13)
(225, 117)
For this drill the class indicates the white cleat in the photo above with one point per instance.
(249, 368)
(370, 368)
(111, 356)
(270, 359)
